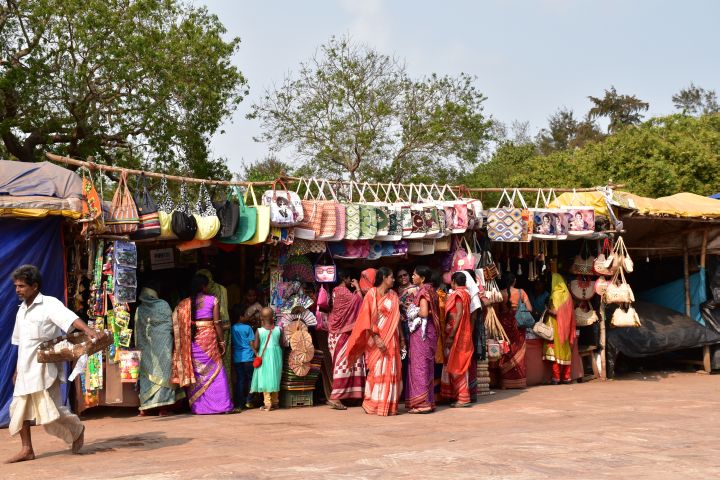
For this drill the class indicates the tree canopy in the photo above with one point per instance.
(351, 111)
(620, 110)
(695, 100)
(130, 82)
(659, 157)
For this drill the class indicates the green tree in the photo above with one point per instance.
(353, 111)
(129, 82)
(659, 157)
(620, 110)
(564, 131)
(696, 101)
(266, 170)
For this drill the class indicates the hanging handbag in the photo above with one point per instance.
(492, 292)
(184, 225)
(149, 219)
(92, 212)
(246, 221)
(229, 214)
(325, 272)
(601, 284)
(475, 213)
(417, 214)
(166, 208)
(618, 290)
(505, 224)
(333, 217)
(462, 258)
(489, 269)
(543, 328)
(368, 215)
(600, 265)
(497, 339)
(582, 288)
(208, 223)
(123, 217)
(583, 264)
(352, 221)
(621, 257)
(262, 218)
(581, 219)
(585, 315)
(394, 228)
(257, 361)
(523, 317)
(323, 299)
(285, 206)
(625, 317)
(309, 227)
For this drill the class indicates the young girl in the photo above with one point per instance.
(266, 378)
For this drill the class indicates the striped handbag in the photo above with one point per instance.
(328, 216)
(148, 217)
(123, 216)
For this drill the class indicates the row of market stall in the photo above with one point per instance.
(300, 230)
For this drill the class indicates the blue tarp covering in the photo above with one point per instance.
(672, 295)
(716, 196)
(38, 242)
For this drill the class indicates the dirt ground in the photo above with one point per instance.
(660, 425)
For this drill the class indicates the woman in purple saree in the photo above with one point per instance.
(198, 351)
(424, 326)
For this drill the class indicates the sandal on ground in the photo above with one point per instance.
(336, 406)
(419, 411)
(461, 405)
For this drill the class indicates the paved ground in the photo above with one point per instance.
(658, 426)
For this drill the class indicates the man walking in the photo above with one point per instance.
(37, 385)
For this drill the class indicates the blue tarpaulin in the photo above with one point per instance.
(37, 242)
(672, 295)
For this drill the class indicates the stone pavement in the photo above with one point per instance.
(663, 425)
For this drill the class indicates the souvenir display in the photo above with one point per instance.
(285, 207)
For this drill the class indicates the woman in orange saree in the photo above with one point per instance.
(377, 335)
(455, 382)
(562, 318)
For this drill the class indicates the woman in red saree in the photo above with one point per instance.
(377, 335)
(348, 380)
(455, 382)
(511, 366)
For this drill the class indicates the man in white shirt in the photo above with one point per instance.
(37, 385)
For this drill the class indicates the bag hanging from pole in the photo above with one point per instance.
(123, 217)
(325, 272)
(246, 221)
(309, 227)
(262, 220)
(395, 231)
(167, 207)
(208, 223)
(285, 206)
(184, 225)
(368, 215)
(229, 214)
(581, 219)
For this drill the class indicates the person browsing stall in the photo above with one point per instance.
(37, 385)
(242, 336)
(266, 377)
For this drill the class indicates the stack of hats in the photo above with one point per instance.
(302, 349)
(483, 378)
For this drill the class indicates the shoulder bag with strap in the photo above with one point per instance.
(257, 361)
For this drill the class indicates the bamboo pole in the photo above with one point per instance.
(707, 364)
(686, 271)
(454, 189)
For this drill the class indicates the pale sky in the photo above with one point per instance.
(530, 57)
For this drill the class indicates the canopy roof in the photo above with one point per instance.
(33, 190)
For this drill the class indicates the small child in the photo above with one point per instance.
(266, 378)
(243, 353)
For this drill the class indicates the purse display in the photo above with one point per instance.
(580, 218)
(601, 265)
(285, 206)
(166, 208)
(262, 221)
(462, 258)
(229, 214)
(509, 224)
(583, 265)
(246, 222)
(582, 288)
(585, 315)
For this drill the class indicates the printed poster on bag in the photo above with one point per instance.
(580, 221)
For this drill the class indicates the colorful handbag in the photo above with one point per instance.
(208, 223)
(582, 288)
(462, 258)
(600, 266)
(92, 212)
(352, 221)
(123, 215)
(505, 224)
(475, 213)
(148, 218)
(601, 285)
(309, 227)
(368, 215)
(246, 222)
(583, 265)
(285, 206)
(581, 219)
(262, 222)
(333, 217)
(166, 208)
(325, 272)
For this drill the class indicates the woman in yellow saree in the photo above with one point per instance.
(562, 318)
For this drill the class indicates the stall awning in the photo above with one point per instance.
(681, 205)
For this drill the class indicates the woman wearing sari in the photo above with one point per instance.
(348, 381)
(424, 325)
(455, 382)
(154, 338)
(197, 359)
(377, 335)
(562, 318)
(221, 296)
(511, 366)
